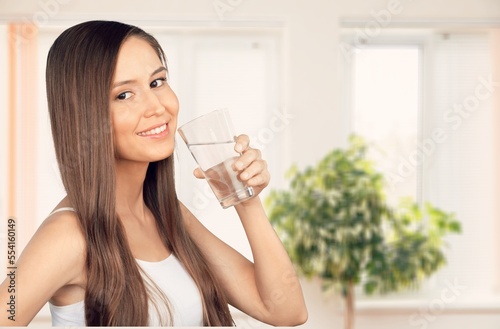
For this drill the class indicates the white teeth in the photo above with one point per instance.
(154, 131)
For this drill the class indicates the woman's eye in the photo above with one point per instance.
(157, 82)
(124, 96)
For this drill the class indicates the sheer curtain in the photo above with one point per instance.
(19, 117)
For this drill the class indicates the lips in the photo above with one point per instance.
(153, 131)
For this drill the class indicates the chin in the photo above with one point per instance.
(162, 155)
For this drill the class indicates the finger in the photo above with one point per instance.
(242, 143)
(256, 168)
(246, 159)
(198, 173)
(262, 179)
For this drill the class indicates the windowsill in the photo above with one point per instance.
(472, 305)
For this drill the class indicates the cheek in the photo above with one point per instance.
(123, 128)
(171, 102)
(123, 120)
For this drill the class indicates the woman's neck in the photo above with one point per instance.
(130, 178)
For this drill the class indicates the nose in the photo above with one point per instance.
(152, 105)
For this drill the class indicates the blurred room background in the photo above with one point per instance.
(419, 80)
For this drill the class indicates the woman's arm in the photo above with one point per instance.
(275, 276)
(267, 289)
(52, 259)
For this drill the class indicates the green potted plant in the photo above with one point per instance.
(336, 225)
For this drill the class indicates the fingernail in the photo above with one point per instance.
(239, 147)
(239, 165)
(244, 175)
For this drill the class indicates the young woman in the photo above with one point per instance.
(121, 249)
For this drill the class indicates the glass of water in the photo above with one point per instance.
(210, 138)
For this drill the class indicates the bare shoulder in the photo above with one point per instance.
(59, 241)
(54, 258)
(64, 227)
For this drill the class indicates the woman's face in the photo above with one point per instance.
(143, 107)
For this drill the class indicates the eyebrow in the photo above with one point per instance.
(121, 83)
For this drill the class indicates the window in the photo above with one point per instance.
(423, 101)
(385, 110)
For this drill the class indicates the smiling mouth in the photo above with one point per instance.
(154, 131)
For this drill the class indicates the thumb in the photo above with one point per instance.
(198, 173)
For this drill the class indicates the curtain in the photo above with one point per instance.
(22, 128)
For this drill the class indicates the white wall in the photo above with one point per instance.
(311, 92)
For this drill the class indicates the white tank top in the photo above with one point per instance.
(170, 276)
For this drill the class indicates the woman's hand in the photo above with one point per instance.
(251, 168)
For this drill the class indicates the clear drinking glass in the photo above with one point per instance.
(210, 138)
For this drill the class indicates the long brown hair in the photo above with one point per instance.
(80, 68)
